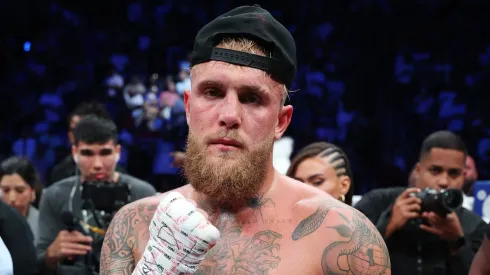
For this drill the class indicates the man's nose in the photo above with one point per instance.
(230, 112)
(443, 182)
(97, 165)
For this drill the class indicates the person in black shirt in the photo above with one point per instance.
(438, 245)
(18, 238)
(481, 262)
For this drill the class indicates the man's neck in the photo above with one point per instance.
(237, 207)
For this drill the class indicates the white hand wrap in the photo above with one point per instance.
(180, 236)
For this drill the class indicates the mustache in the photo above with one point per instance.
(225, 134)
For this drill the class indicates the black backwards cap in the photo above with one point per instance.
(254, 23)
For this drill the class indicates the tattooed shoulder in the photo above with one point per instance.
(127, 232)
(311, 223)
(359, 250)
(358, 247)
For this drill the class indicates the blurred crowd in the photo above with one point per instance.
(386, 71)
(374, 77)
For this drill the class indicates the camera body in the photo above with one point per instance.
(440, 202)
(105, 196)
(103, 199)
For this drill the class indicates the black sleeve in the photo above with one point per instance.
(460, 262)
(383, 221)
(18, 238)
(373, 204)
(488, 231)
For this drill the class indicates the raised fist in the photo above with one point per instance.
(180, 236)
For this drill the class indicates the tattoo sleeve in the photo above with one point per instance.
(360, 248)
(364, 252)
(122, 239)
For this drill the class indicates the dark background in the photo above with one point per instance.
(374, 77)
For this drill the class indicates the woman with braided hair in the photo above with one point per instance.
(325, 166)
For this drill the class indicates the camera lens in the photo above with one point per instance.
(453, 198)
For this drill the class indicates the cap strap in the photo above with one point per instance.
(270, 65)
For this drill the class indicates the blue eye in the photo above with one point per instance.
(212, 92)
(251, 98)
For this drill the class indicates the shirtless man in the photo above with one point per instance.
(268, 223)
(480, 264)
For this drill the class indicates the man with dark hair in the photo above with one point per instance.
(82, 110)
(66, 168)
(247, 218)
(426, 242)
(95, 151)
(443, 140)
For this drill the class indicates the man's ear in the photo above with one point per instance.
(187, 95)
(74, 154)
(285, 115)
(417, 169)
(118, 153)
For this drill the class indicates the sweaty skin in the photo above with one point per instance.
(292, 229)
(480, 265)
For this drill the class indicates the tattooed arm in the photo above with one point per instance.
(127, 233)
(480, 264)
(359, 248)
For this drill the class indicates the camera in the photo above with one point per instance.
(106, 197)
(100, 200)
(440, 202)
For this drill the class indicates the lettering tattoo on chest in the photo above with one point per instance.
(122, 239)
(237, 253)
(362, 252)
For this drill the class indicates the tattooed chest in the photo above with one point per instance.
(241, 253)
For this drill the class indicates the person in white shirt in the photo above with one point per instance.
(6, 265)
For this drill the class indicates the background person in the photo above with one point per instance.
(96, 152)
(19, 182)
(422, 241)
(324, 166)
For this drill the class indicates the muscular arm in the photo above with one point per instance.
(461, 260)
(480, 264)
(358, 247)
(127, 234)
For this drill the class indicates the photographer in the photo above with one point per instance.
(64, 205)
(421, 237)
(67, 167)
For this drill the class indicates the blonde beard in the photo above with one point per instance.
(228, 177)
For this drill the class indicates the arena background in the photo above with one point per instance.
(374, 77)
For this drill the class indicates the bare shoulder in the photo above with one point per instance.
(302, 192)
(128, 235)
(349, 242)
